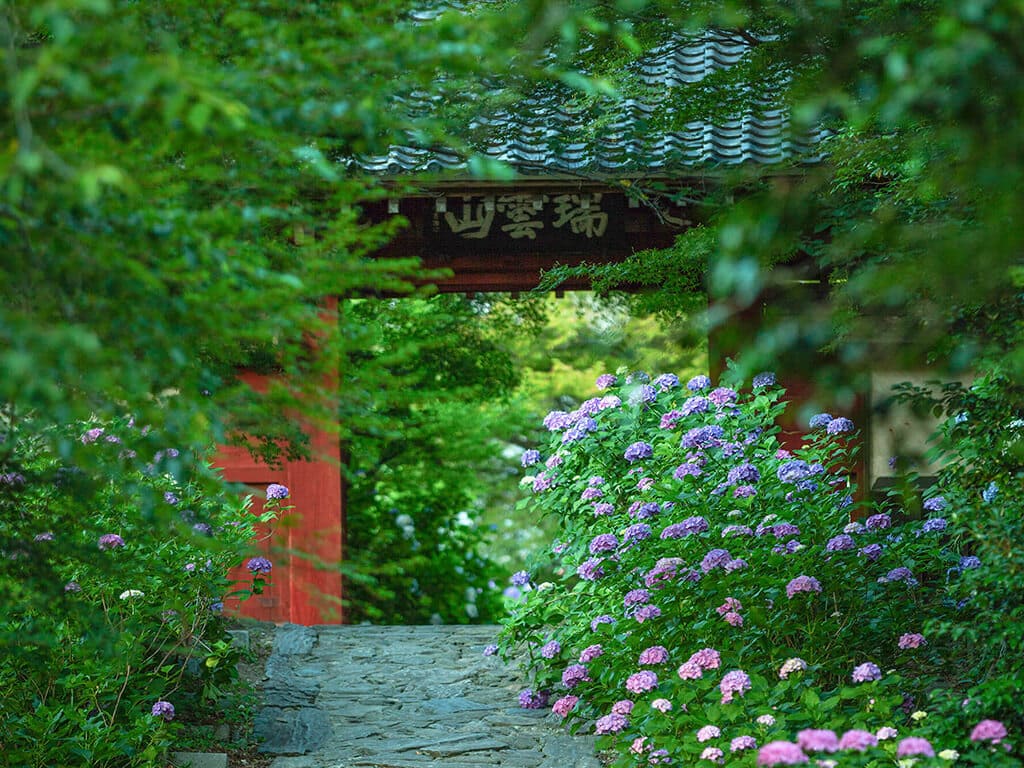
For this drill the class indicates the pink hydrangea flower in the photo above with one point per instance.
(989, 730)
(815, 740)
(622, 707)
(731, 604)
(766, 720)
(733, 619)
(742, 742)
(781, 753)
(642, 682)
(714, 754)
(691, 670)
(886, 732)
(802, 584)
(590, 653)
(612, 723)
(857, 740)
(790, 666)
(708, 732)
(912, 640)
(656, 654)
(707, 658)
(662, 705)
(565, 705)
(914, 745)
(110, 541)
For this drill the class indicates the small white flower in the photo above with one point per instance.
(527, 480)
(949, 754)
(132, 593)
(545, 586)
(918, 716)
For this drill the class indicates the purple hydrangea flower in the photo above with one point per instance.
(637, 451)
(695, 404)
(637, 532)
(791, 666)
(969, 563)
(666, 381)
(737, 530)
(92, 435)
(163, 709)
(858, 740)
(866, 672)
(590, 570)
(766, 379)
(530, 457)
(598, 620)
(784, 530)
(520, 578)
(589, 494)
(716, 558)
(556, 421)
(736, 564)
(935, 525)
(642, 682)
(722, 396)
(575, 674)
(490, 650)
(554, 461)
(815, 740)
(708, 732)
(991, 731)
(277, 491)
(170, 498)
(259, 565)
(802, 584)
(687, 470)
(579, 430)
(706, 658)
(839, 425)
(819, 420)
(646, 612)
(609, 401)
(591, 652)
(12, 478)
(670, 419)
(701, 437)
(72, 586)
(45, 536)
(743, 474)
(110, 541)
(530, 700)
(656, 654)
(612, 723)
(636, 597)
(878, 522)
(742, 742)
(872, 551)
(734, 683)
(691, 670)
(840, 543)
(744, 491)
(645, 510)
(606, 381)
(899, 574)
(551, 649)
(603, 508)
(935, 504)
(603, 542)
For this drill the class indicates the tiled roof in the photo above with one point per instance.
(543, 135)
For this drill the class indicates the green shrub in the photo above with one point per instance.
(112, 630)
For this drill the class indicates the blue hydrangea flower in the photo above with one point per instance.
(990, 493)
(766, 379)
(819, 420)
(259, 565)
(969, 562)
(643, 394)
(744, 473)
(666, 381)
(530, 457)
(520, 578)
(606, 381)
(698, 383)
(277, 491)
(935, 525)
(637, 532)
(935, 504)
(793, 471)
(701, 437)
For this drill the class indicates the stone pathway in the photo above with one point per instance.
(403, 697)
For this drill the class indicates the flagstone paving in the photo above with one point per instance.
(403, 697)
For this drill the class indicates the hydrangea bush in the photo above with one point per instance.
(112, 625)
(716, 597)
